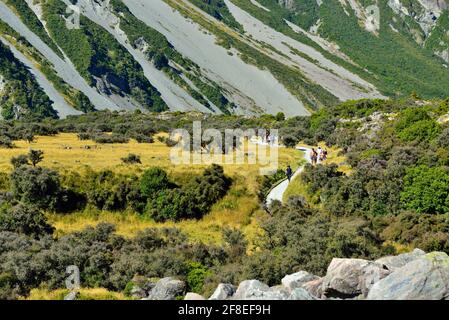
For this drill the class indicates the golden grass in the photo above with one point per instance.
(84, 294)
(65, 153)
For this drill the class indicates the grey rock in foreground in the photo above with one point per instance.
(314, 287)
(193, 296)
(425, 278)
(350, 278)
(296, 280)
(301, 294)
(223, 292)
(167, 289)
(395, 262)
(256, 290)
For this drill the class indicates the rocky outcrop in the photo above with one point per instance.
(424, 278)
(193, 296)
(413, 275)
(350, 278)
(256, 290)
(298, 279)
(223, 292)
(409, 276)
(167, 289)
(395, 262)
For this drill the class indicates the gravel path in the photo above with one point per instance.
(277, 192)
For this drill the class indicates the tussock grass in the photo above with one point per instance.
(64, 153)
(84, 294)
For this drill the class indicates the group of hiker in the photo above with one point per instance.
(317, 155)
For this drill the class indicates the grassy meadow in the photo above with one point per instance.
(66, 153)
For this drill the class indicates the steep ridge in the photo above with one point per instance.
(395, 45)
(245, 83)
(59, 103)
(334, 78)
(237, 56)
(21, 95)
(175, 97)
(63, 67)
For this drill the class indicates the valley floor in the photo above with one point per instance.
(65, 153)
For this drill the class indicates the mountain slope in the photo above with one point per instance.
(230, 56)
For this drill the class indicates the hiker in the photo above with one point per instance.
(314, 157)
(325, 154)
(289, 173)
(320, 154)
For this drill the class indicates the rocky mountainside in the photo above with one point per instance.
(409, 276)
(220, 56)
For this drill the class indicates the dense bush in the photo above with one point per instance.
(193, 200)
(426, 190)
(24, 219)
(36, 185)
(153, 181)
(131, 159)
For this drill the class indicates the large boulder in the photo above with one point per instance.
(314, 287)
(224, 291)
(350, 278)
(301, 294)
(296, 280)
(395, 262)
(193, 296)
(167, 289)
(256, 290)
(425, 278)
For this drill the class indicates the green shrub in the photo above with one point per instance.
(426, 190)
(153, 181)
(24, 219)
(196, 275)
(35, 185)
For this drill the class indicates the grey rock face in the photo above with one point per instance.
(315, 287)
(223, 292)
(349, 278)
(167, 289)
(256, 290)
(426, 278)
(301, 294)
(395, 262)
(193, 296)
(296, 280)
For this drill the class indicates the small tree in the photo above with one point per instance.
(153, 181)
(131, 159)
(290, 141)
(280, 116)
(20, 160)
(36, 185)
(24, 219)
(35, 156)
